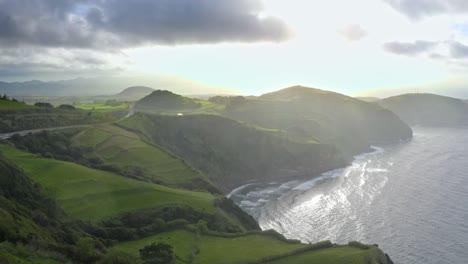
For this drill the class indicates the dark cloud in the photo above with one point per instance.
(419, 8)
(106, 24)
(41, 61)
(352, 32)
(409, 48)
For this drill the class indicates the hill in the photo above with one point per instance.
(165, 101)
(428, 109)
(125, 151)
(307, 114)
(232, 153)
(126, 215)
(134, 93)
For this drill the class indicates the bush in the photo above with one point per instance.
(45, 105)
(159, 253)
(359, 245)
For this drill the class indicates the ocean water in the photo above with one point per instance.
(409, 198)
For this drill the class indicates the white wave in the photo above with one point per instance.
(238, 189)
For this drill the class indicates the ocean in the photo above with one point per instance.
(410, 198)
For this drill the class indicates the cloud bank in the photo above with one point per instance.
(409, 48)
(417, 9)
(103, 24)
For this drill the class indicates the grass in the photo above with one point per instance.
(123, 149)
(337, 255)
(102, 107)
(183, 242)
(212, 249)
(249, 248)
(10, 105)
(93, 195)
(241, 249)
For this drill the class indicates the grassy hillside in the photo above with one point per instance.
(310, 114)
(93, 195)
(30, 227)
(124, 209)
(428, 109)
(10, 105)
(168, 103)
(254, 248)
(124, 150)
(231, 153)
(162, 101)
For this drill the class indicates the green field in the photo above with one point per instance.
(103, 107)
(338, 255)
(10, 105)
(124, 149)
(183, 242)
(241, 249)
(93, 195)
(250, 248)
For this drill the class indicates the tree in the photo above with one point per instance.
(157, 254)
(66, 107)
(86, 249)
(46, 105)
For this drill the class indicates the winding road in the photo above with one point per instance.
(39, 130)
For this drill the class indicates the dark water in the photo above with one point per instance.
(410, 198)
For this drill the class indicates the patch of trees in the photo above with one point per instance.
(45, 105)
(231, 102)
(6, 98)
(159, 253)
(143, 223)
(113, 102)
(57, 145)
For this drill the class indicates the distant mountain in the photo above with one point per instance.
(104, 86)
(162, 101)
(428, 109)
(313, 115)
(369, 99)
(134, 93)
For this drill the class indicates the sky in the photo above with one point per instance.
(360, 47)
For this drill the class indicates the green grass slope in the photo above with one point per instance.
(125, 150)
(428, 109)
(310, 114)
(93, 195)
(165, 101)
(192, 247)
(10, 105)
(168, 103)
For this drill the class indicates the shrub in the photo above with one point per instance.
(159, 253)
(359, 245)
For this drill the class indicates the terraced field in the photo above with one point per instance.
(125, 150)
(93, 195)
